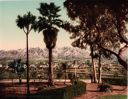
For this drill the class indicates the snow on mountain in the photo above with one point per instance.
(61, 53)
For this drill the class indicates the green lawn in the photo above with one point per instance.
(115, 97)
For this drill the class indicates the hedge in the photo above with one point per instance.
(61, 93)
(115, 81)
(114, 97)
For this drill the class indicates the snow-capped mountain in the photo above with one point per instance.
(36, 53)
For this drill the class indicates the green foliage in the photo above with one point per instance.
(25, 21)
(88, 63)
(116, 74)
(64, 65)
(61, 93)
(59, 74)
(72, 78)
(7, 75)
(49, 17)
(49, 10)
(47, 21)
(104, 87)
(98, 20)
(115, 97)
(17, 66)
(50, 37)
(79, 88)
(115, 81)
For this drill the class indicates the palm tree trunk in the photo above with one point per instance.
(50, 70)
(27, 63)
(65, 76)
(94, 68)
(20, 80)
(100, 70)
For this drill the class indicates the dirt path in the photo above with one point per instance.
(92, 92)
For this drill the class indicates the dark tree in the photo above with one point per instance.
(48, 22)
(26, 23)
(100, 21)
(17, 67)
(64, 66)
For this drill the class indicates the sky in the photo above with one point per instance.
(12, 37)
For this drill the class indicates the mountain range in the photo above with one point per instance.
(38, 53)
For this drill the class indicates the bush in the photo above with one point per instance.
(114, 97)
(61, 93)
(74, 79)
(74, 90)
(115, 81)
(105, 87)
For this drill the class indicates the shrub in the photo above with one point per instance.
(115, 81)
(74, 79)
(61, 93)
(114, 97)
(104, 87)
(74, 90)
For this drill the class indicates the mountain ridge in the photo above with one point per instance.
(58, 53)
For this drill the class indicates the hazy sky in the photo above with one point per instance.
(11, 37)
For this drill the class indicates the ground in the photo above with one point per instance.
(92, 92)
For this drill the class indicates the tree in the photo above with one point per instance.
(106, 21)
(26, 23)
(48, 23)
(3, 67)
(88, 63)
(18, 67)
(100, 54)
(64, 66)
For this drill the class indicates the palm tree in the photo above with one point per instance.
(25, 23)
(48, 23)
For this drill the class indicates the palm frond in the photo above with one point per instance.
(26, 21)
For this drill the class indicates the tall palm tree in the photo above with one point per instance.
(25, 23)
(48, 23)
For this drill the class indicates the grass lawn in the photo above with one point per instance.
(115, 97)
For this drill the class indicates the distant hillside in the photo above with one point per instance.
(38, 53)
